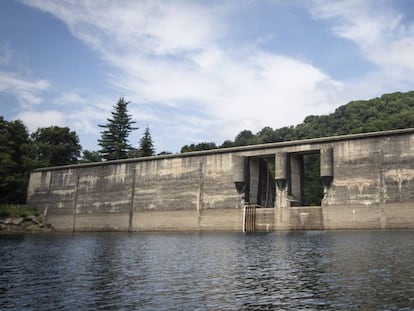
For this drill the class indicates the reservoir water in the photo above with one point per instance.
(304, 270)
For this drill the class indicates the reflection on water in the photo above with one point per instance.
(307, 270)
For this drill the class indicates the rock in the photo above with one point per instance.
(17, 220)
(12, 220)
(36, 220)
(28, 224)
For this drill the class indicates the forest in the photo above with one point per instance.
(388, 112)
(21, 152)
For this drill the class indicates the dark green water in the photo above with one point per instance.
(307, 270)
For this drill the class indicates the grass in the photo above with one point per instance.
(17, 210)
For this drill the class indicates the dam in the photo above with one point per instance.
(366, 182)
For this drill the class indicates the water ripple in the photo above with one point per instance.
(216, 271)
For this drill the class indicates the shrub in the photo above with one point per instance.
(16, 210)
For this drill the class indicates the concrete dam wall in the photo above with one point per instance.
(367, 182)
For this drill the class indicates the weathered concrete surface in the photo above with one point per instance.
(368, 184)
(373, 171)
(173, 193)
(184, 220)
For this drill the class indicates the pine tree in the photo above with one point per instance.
(146, 146)
(114, 139)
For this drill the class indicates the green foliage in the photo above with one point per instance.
(227, 144)
(133, 153)
(54, 146)
(114, 139)
(90, 156)
(146, 146)
(164, 153)
(21, 153)
(15, 210)
(388, 112)
(14, 142)
(245, 138)
(312, 187)
(198, 147)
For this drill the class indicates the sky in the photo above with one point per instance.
(198, 71)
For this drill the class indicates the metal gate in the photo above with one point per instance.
(249, 218)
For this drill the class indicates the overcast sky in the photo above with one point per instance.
(198, 71)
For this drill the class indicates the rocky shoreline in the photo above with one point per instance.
(26, 224)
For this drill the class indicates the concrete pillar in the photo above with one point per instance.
(281, 161)
(254, 166)
(239, 174)
(281, 177)
(296, 179)
(239, 169)
(326, 172)
(327, 162)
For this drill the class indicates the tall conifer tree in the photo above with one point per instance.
(146, 146)
(114, 139)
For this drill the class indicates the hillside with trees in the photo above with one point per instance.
(388, 112)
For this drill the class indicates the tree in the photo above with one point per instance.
(146, 146)
(114, 139)
(90, 156)
(164, 153)
(244, 138)
(54, 146)
(199, 147)
(133, 153)
(266, 135)
(227, 144)
(14, 139)
(21, 153)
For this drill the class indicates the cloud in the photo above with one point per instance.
(37, 119)
(376, 28)
(28, 91)
(84, 111)
(230, 90)
(171, 53)
(25, 90)
(70, 98)
(384, 38)
(156, 27)
(178, 56)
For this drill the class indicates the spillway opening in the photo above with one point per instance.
(312, 185)
(305, 187)
(261, 181)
